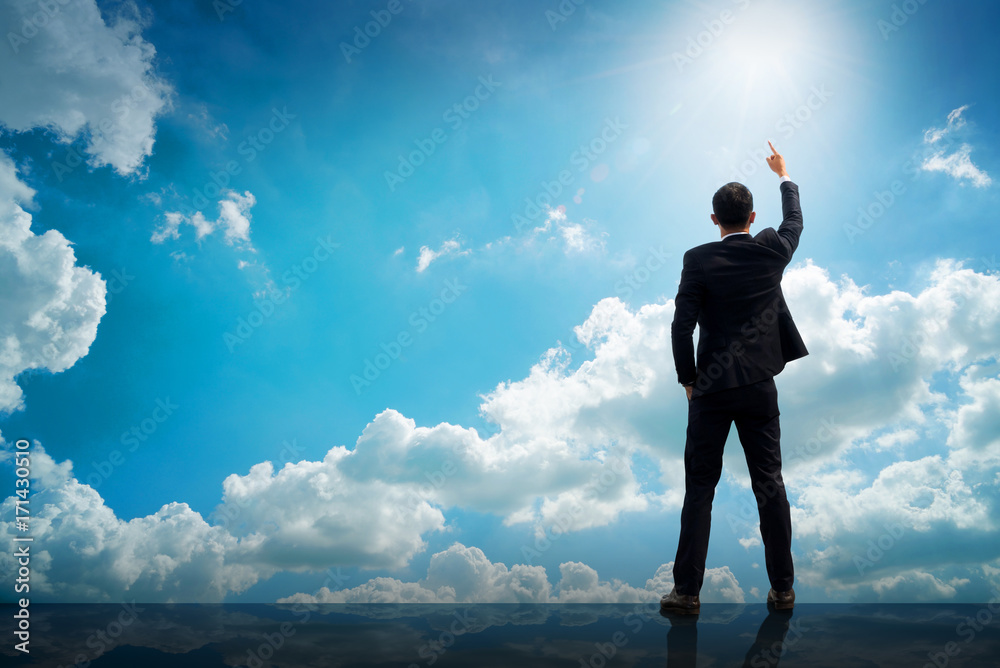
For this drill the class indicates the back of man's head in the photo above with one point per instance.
(732, 205)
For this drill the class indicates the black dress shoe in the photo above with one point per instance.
(681, 604)
(781, 600)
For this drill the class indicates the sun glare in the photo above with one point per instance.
(765, 48)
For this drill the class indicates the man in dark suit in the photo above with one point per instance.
(732, 290)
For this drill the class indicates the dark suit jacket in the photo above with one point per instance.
(732, 290)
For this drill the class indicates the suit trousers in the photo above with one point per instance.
(754, 409)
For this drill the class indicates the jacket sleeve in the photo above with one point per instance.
(687, 306)
(791, 225)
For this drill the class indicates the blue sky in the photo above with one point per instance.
(192, 286)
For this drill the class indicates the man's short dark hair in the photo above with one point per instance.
(732, 205)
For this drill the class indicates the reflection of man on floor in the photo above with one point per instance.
(765, 652)
(732, 290)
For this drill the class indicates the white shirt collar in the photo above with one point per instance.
(734, 233)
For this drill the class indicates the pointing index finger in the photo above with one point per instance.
(773, 150)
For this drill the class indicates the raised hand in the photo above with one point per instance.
(776, 162)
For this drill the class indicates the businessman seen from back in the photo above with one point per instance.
(731, 289)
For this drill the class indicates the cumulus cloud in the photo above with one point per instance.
(916, 586)
(910, 376)
(463, 574)
(49, 306)
(900, 374)
(408, 473)
(974, 439)
(872, 356)
(72, 72)
(83, 552)
(957, 164)
(311, 515)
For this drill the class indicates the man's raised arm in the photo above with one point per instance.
(791, 212)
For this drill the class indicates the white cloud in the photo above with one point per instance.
(555, 232)
(576, 238)
(955, 121)
(568, 441)
(202, 119)
(49, 306)
(233, 220)
(83, 552)
(915, 586)
(958, 164)
(896, 439)
(77, 75)
(427, 255)
(463, 574)
(234, 217)
(974, 439)
(311, 515)
(870, 372)
(872, 356)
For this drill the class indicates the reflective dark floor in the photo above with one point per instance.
(415, 635)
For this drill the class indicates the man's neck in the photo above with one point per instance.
(726, 234)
